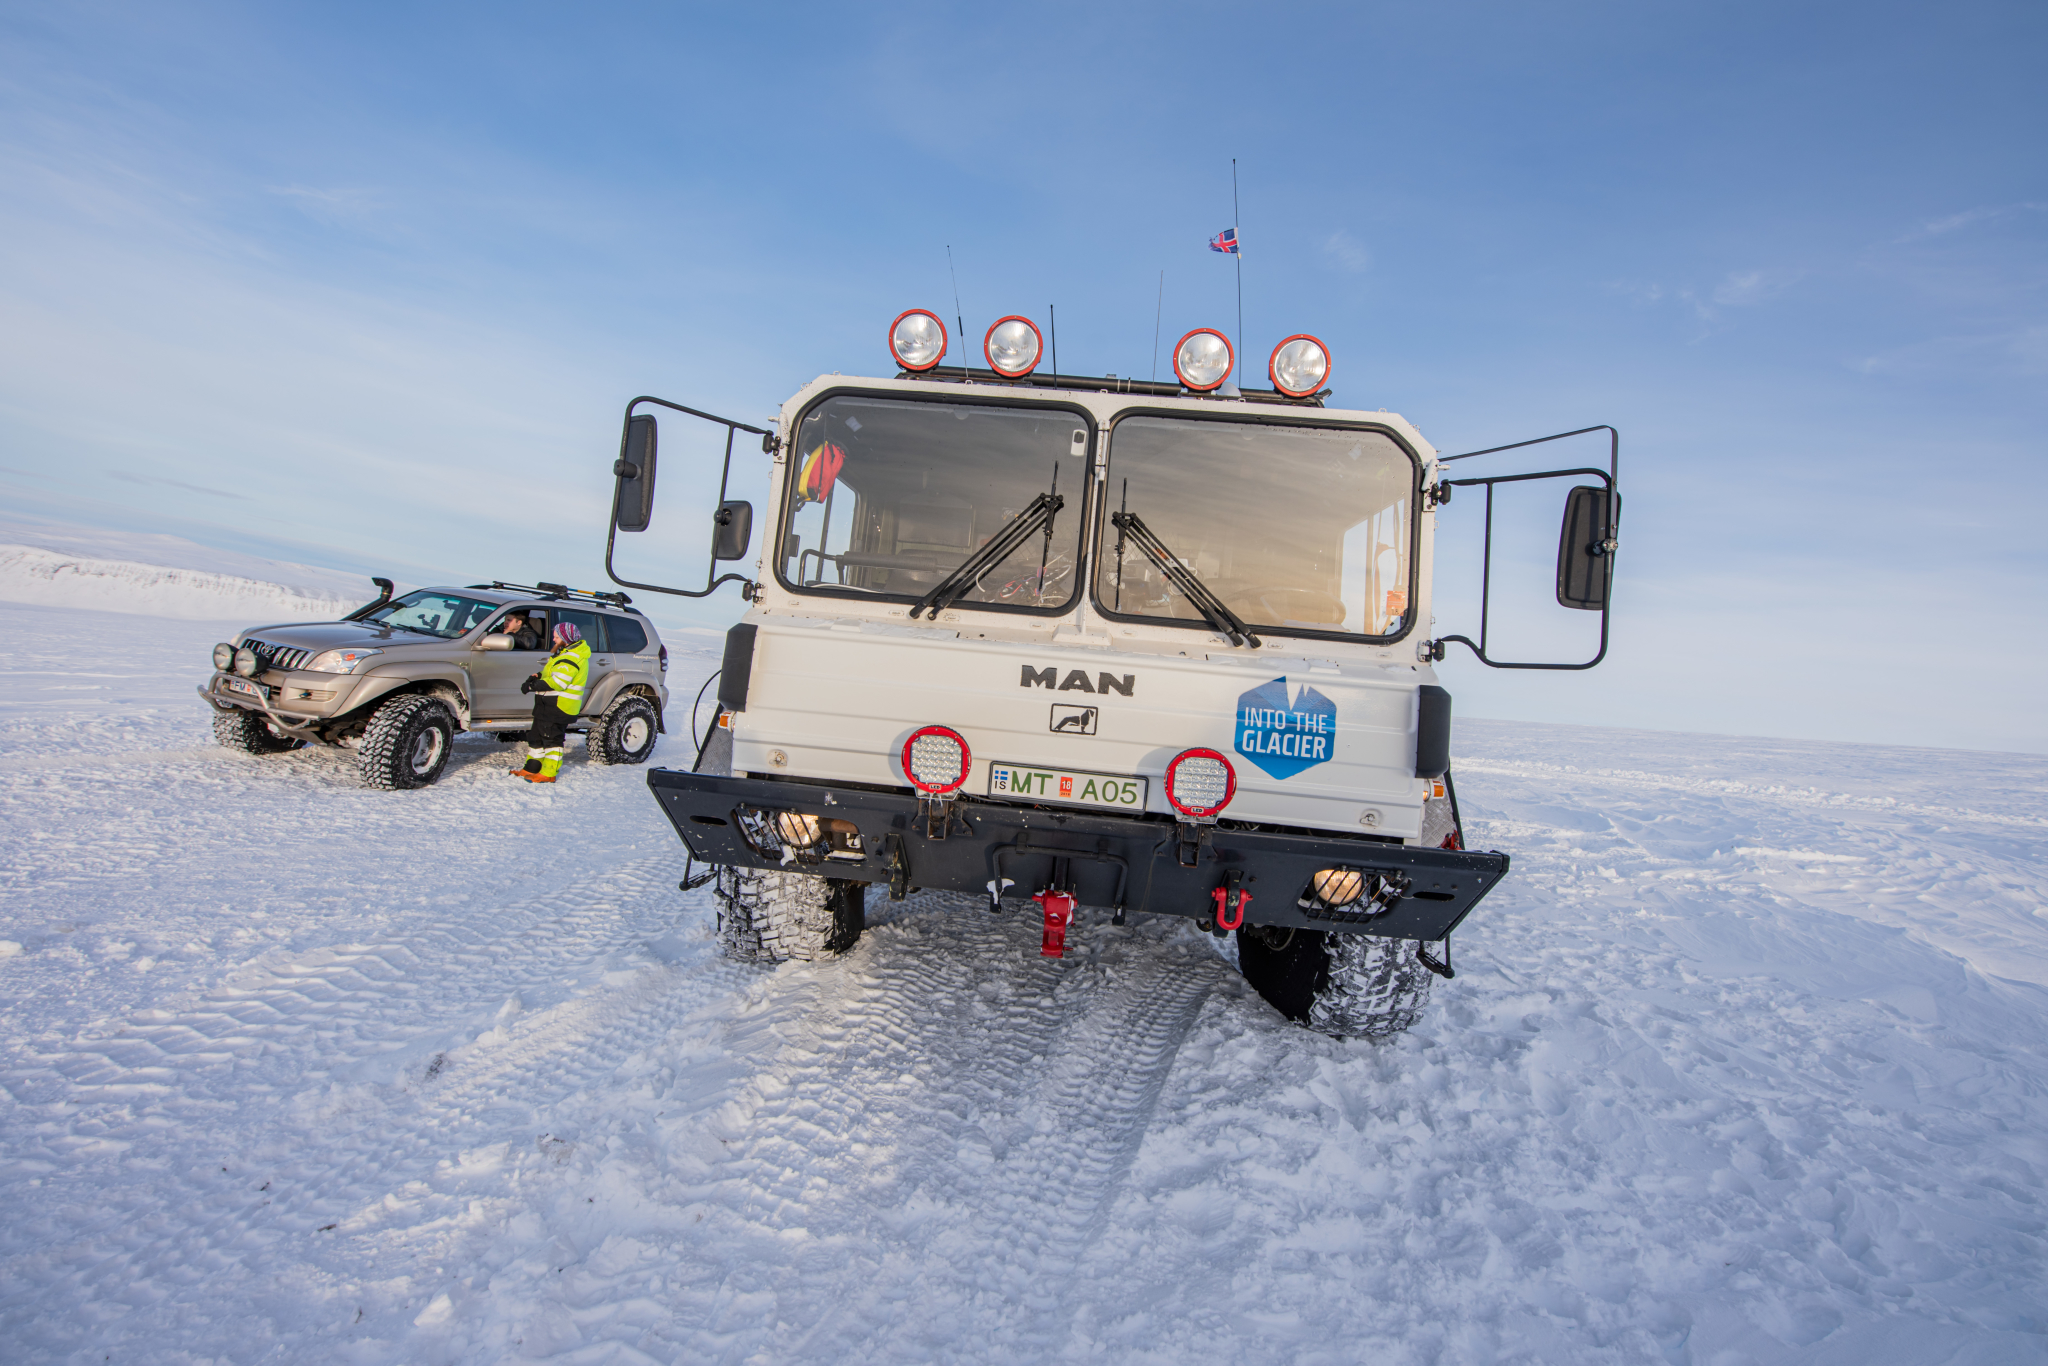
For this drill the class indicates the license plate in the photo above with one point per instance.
(242, 685)
(1066, 786)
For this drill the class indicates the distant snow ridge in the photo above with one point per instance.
(49, 579)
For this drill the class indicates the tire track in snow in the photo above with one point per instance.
(172, 1087)
(944, 1087)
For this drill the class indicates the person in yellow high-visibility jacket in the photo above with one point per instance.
(558, 690)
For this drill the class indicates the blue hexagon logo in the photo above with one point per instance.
(1285, 737)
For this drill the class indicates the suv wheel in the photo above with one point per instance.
(251, 733)
(770, 916)
(1349, 986)
(406, 743)
(625, 734)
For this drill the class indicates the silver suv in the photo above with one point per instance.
(397, 678)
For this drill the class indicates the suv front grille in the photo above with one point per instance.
(278, 656)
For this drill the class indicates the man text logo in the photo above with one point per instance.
(1077, 681)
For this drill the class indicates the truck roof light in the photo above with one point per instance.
(917, 339)
(1013, 347)
(1200, 783)
(1299, 366)
(936, 760)
(1203, 359)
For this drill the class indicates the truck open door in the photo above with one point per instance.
(633, 496)
(1586, 544)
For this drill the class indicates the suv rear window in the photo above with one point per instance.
(624, 637)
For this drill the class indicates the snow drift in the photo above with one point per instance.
(52, 579)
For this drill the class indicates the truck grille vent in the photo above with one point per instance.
(278, 656)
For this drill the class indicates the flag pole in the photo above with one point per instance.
(1157, 313)
(1237, 230)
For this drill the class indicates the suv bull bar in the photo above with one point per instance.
(1149, 864)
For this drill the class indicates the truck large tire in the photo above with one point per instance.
(626, 733)
(406, 743)
(250, 732)
(774, 916)
(1349, 986)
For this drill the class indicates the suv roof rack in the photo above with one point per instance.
(556, 592)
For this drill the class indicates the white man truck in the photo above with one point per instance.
(1068, 645)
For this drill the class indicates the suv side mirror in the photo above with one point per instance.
(633, 503)
(732, 528)
(1585, 550)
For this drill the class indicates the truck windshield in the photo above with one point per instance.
(1298, 530)
(887, 497)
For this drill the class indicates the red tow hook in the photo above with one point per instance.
(1230, 900)
(1059, 913)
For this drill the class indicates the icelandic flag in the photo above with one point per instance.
(1225, 241)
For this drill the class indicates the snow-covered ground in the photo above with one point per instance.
(1747, 1062)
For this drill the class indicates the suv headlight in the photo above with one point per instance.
(223, 656)
(338, 661)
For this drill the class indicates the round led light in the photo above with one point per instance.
(223, 656)
(1299, 365)
(936, 760)
(246, 663)
(917, 339)
(1013, 347)
(1203, 359)
(1338, 886)
(798, 828)
(1200, 782)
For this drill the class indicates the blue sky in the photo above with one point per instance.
(369, 285)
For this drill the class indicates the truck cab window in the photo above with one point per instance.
(1298, 530)
(888, 497)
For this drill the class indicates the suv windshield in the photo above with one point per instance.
(888, 497)
(1295, 529)
(446, 615)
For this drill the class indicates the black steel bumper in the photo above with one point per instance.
(1121, 862)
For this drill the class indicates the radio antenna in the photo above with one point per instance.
(1054, 314)
(1158, 313)
(962, 322)
(1236, 230)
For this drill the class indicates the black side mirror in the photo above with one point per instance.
(732, 528)
(633, 504)
(1585, 550)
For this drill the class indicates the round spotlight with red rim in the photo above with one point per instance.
(1300, 365)
(1203, 359)
(1200, 783)
(1013, 347)
(936, 760)
(917, 339)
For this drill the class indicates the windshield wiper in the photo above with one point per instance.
(1206, 602)
(1036, 516)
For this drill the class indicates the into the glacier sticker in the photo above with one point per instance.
(1284, 737)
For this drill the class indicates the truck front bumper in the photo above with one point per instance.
(1150, 864)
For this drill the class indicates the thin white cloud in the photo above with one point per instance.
(1347, 251)
(126, 477)
(1956, 222)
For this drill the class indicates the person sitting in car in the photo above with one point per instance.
(524, 635)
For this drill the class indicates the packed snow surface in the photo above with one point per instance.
(1747, 1061)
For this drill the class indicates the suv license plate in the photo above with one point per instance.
(242, 685)
(1066, 786)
